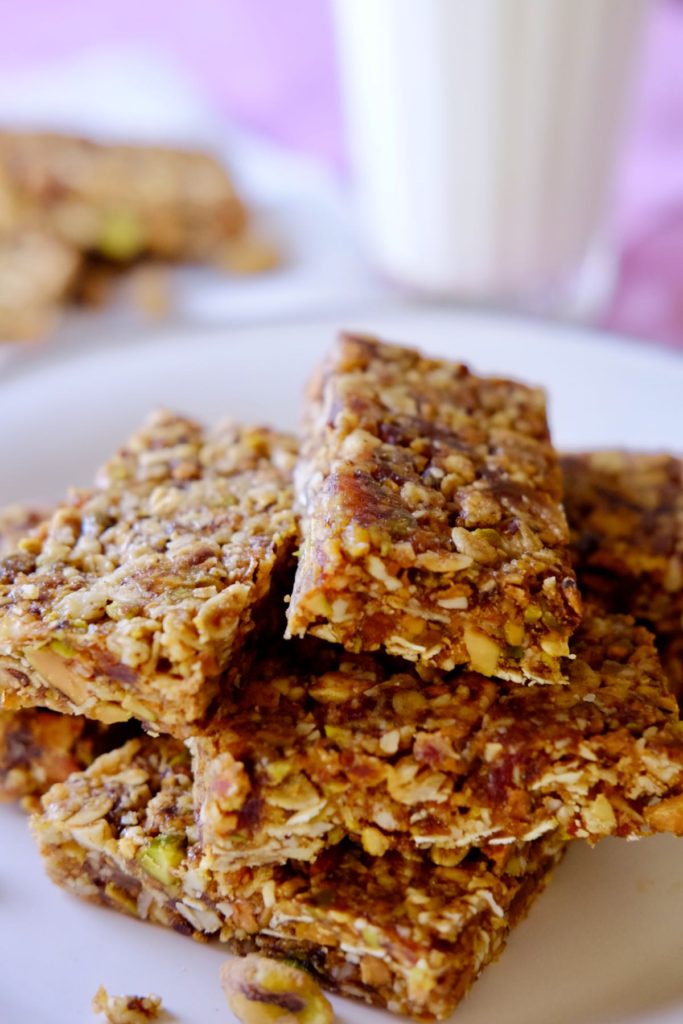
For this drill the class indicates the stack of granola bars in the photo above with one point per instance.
(364, 706)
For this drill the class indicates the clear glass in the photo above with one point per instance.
(483, 137)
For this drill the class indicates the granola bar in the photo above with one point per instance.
(136, 595)
(625, 511)
(393, 931)
(37, 272)
(360, 746)
(433, 524)
(119, 202)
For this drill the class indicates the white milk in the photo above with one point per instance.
(483, 135)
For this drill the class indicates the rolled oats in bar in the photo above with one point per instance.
(136, 595)
(393, 931)
(362, 746)
(433, 525)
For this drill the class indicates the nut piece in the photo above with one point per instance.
(483, 651)
(126, 1009)
(260, 990)
(666, 816)
(163, 856)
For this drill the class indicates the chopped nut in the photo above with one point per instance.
(599, 816)
(126, 1009)
(554, 646)
(375, 842)
(54, 667)
(478, 545)
(514, 633)
(260, 990)
(483, 651)
(408, 702)
(375, 567)
(410, 786)
(121, 899)
(375, 972)
(163, 856)
(294, 794)
(356, 541)
(389, 741)
(666, 816)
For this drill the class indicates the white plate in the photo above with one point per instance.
(605, 943)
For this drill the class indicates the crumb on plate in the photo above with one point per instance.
(126, 1009)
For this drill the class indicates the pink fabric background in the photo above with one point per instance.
(269, 65)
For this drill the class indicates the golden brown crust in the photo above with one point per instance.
(331, 745)
(394, 931)
(433, 525)
(625, 511)
(136, 595)
(120, 202)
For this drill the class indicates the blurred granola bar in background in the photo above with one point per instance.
(72, 211)
(119, 202)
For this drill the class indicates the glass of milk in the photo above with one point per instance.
(483, 137)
